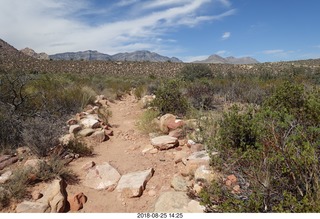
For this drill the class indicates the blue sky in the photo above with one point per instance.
(268, 30)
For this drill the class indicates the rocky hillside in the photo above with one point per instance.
(138, 56)
(11, 59)
(228, 60)
(33, 54)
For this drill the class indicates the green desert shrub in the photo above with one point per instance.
(169, 98)
(192, 72)
(274, 151)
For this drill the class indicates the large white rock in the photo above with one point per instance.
(177, 202)
(101, 177)
(55, 196)
(90, 123)
(32, 207)
(164, 142)
(165, 120)
(133, 184)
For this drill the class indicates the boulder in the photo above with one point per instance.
(55, 196)
(179, 183)
(5, 176)
(165, 120)
(74, 129)
(177, 123)
(90, 123)
(99, 136)
(133, 184)
(171, 202)
(86, 132)
(177, 133)
(32, 207)
(76, 202)
(101, 177)
(164, 142)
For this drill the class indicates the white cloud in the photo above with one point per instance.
(274, 51)
(123, 3)
(194, 58)
(222, 52)
(54, 26)
(280, 53)
(226, 3)
(226, 35)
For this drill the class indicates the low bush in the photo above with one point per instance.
(192, 72)
(274, 150)
(78, 146)
(169, 98)
(42, 134)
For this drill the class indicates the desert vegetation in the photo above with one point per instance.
(262, 120)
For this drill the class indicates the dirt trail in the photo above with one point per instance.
(124, 152)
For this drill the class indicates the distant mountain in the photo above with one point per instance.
(132, 56)
(228, 60)
(143, 55)
(83, 55)
(32, 53)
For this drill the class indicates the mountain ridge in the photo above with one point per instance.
(228, 60)
(140, 55)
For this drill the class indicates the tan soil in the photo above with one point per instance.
(124, 152)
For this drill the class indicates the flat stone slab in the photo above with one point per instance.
(133, 184)
(177, 202)
(101, 177)
(164, 142)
